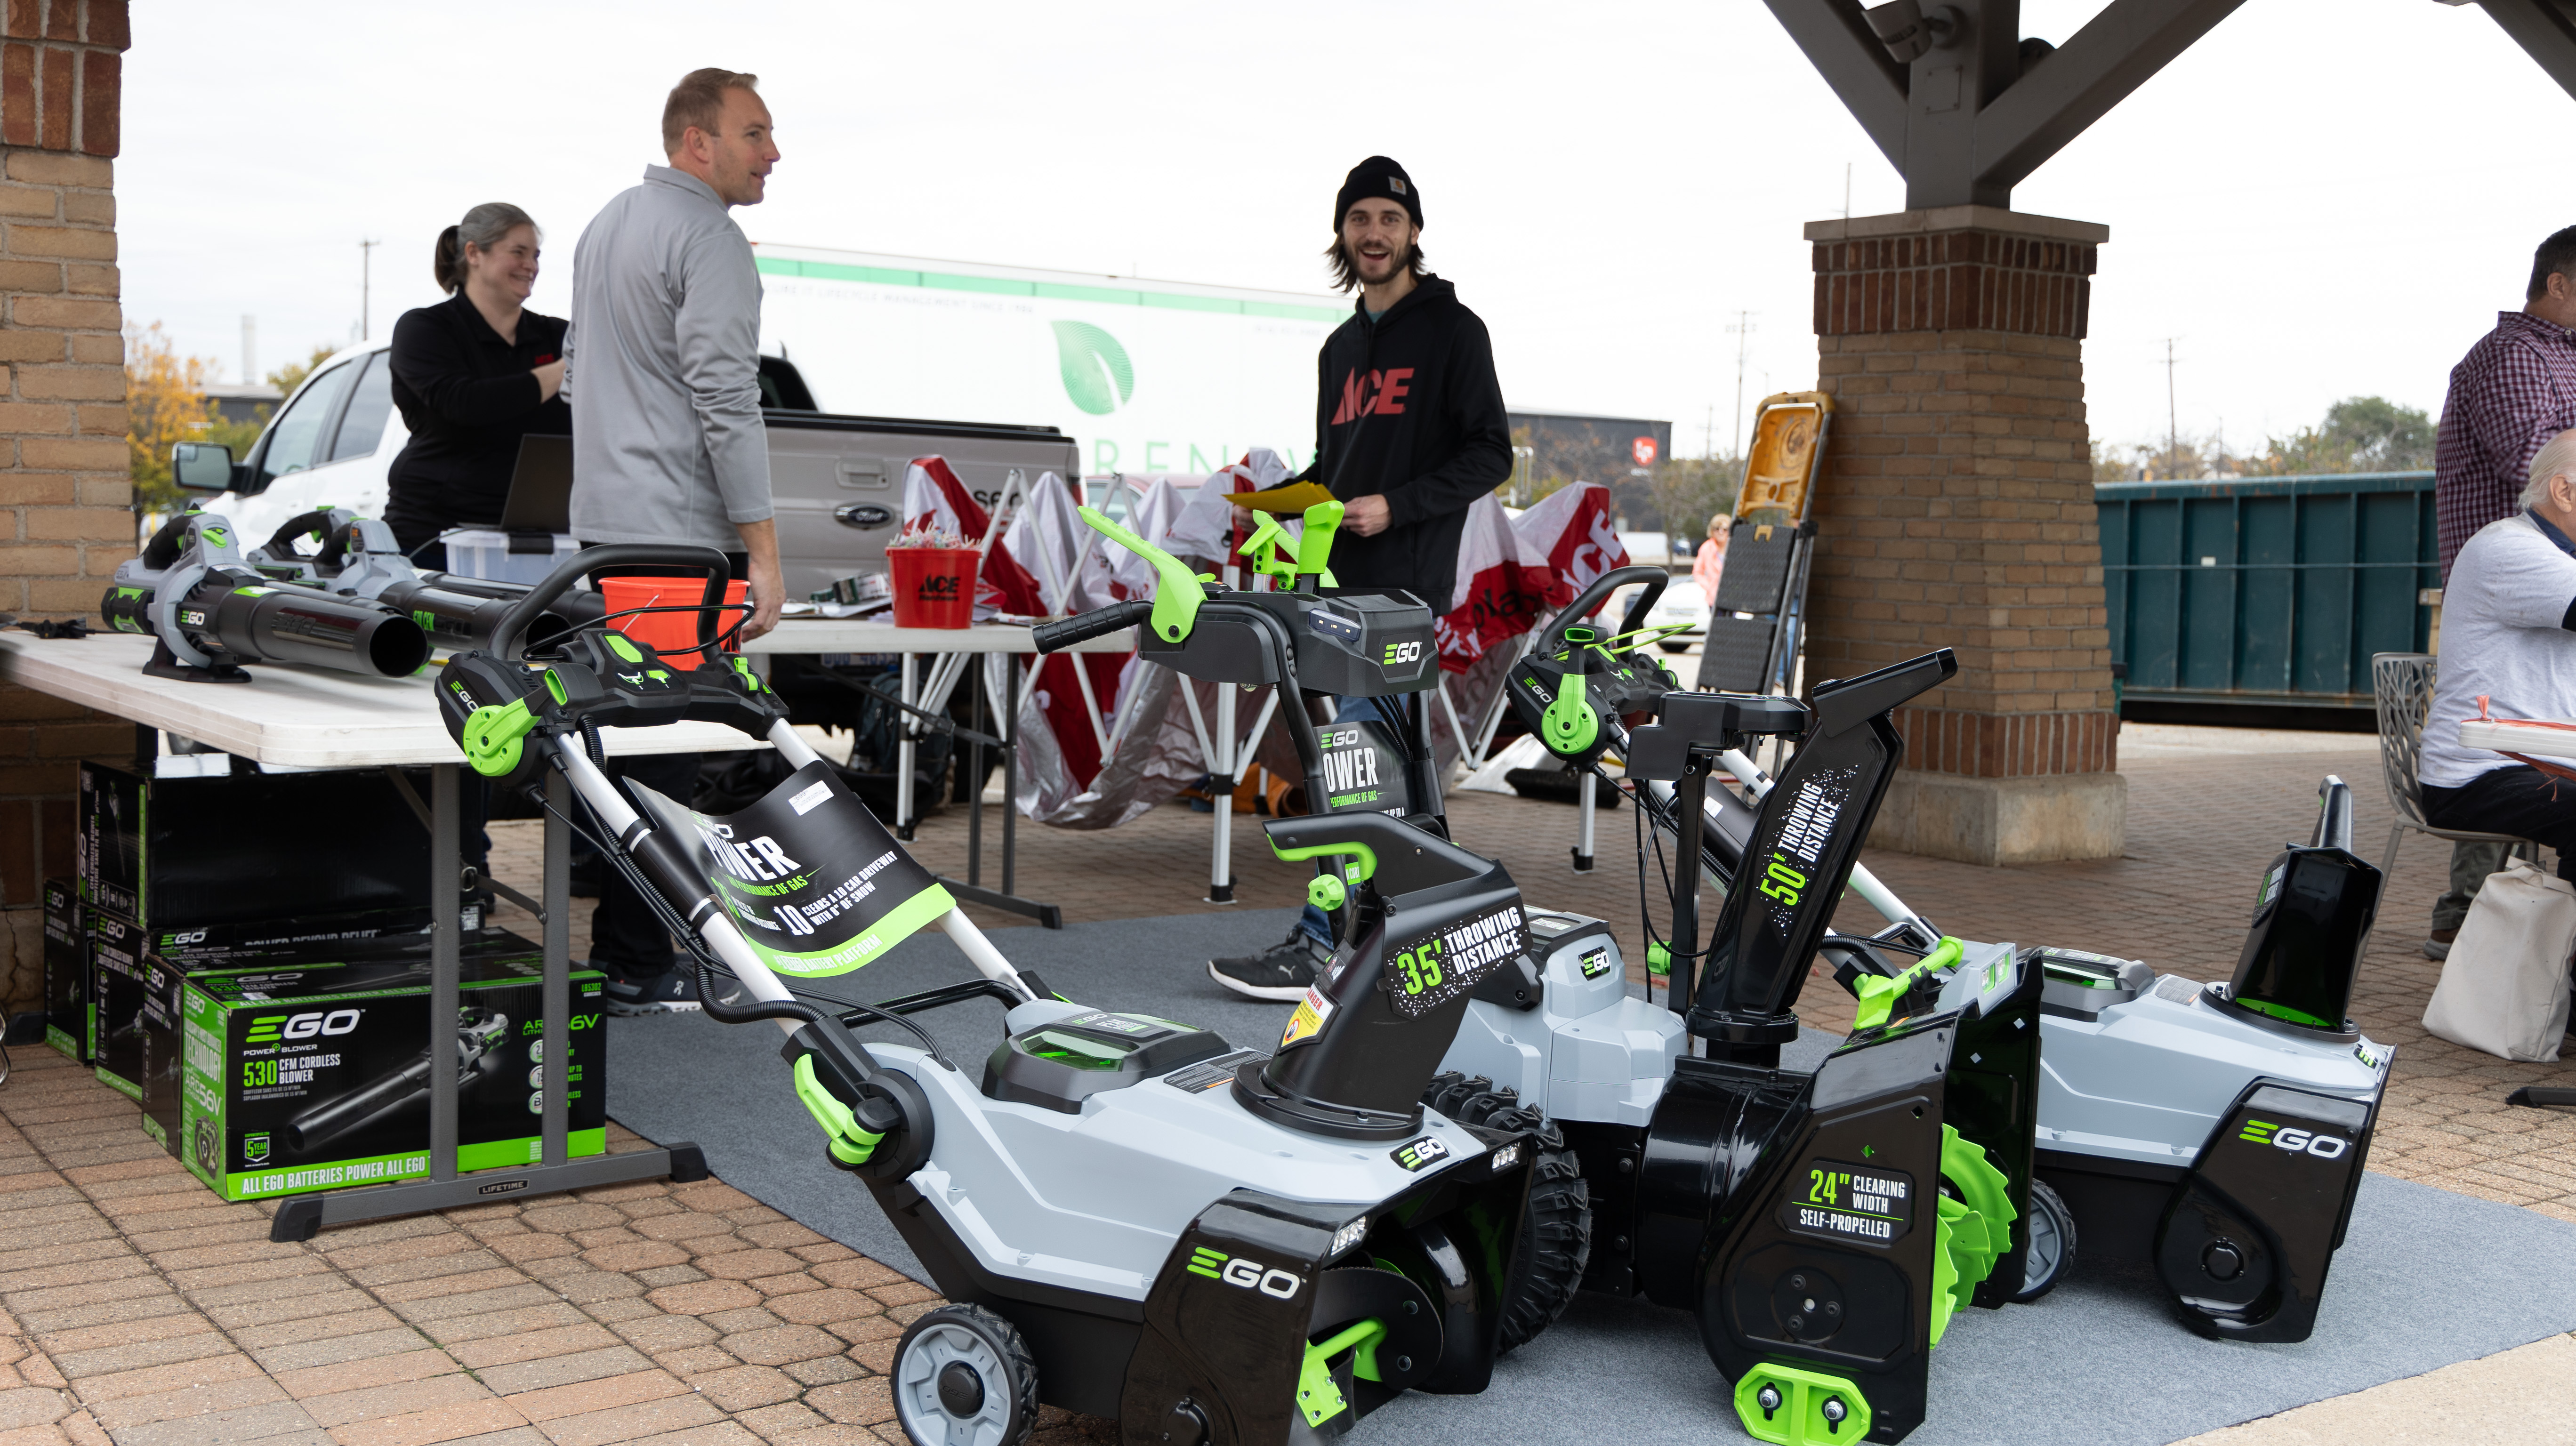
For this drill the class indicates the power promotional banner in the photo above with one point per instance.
(817, 884)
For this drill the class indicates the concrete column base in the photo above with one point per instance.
(2004, 820)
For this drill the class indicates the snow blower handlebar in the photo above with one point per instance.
(513, 629)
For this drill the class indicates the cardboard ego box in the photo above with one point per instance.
(118, 991)
(314, 1077)
(66, 972)
(390, 960)
(188, 853)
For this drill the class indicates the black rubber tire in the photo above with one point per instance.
(1556, 1228)
(2052, 1244)
(1004, 1364)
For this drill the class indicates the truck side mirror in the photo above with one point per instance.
(201, 466)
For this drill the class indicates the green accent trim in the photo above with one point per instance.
(118, 1083)
(1177, 599)
(1367, 856)
(624, 647)
(1326, 893)
(1659, 959)
(1268, 546)
(61, 1039)
(1569, 725)
(1049, 290)
(1318, 1399)
(848, 1143)
(1800, 1419)
(492, 738)
(555, 688)
(2285, 1013)
(1879, 993)
(898, 924)
(1204, 1261)
(527, 1150)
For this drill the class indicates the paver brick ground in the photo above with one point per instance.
(137, 1308)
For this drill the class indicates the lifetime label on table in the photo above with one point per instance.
(1842, 1201)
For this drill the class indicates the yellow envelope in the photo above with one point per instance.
(1292, 499)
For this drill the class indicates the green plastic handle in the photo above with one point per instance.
(1366, 855)
(1879, 992)
(1176, 601)
(848, 1143)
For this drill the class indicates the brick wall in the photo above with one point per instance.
(65, 518)
(1957, 505)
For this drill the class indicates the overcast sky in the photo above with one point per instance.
(2318, 200)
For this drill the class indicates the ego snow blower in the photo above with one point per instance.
(210, 611)
(2215, 1132)
(1132, 1217)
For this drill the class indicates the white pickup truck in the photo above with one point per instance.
(837, 480)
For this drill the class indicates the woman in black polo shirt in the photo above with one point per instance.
(472, 375)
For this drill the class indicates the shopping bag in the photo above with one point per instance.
(2504, 988)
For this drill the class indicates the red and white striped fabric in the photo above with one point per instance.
(932, 491)
(1512, 570)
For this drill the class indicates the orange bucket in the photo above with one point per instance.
(673, 635)
(934, 587)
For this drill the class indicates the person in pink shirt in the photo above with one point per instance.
(1711, 561)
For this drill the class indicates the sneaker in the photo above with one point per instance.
(2437, 945)
(1282, 972)
(672, 992)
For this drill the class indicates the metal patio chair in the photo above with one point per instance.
(2402, 685)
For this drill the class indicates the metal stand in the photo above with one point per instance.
(1006, 738)
(299, 1216)
(1583, 808)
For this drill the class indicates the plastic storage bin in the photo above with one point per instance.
(485, 553)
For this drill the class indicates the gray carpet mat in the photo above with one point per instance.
(2425, 1278)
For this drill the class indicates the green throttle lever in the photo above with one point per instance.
(1180, 591)
(1879, 992)
(850, 1142)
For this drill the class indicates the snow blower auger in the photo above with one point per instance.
(1132, 1217)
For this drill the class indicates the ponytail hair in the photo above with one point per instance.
(482, 228)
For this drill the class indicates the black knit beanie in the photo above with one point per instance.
(1376, 176)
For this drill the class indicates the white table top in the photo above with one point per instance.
(2507, 737)
(287, 715)
(880, 635)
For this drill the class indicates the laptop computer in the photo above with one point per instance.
(540, 497)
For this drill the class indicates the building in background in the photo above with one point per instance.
(237, 403)
(1620, 453)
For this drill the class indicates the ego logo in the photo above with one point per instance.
(1420, 1154)
(2297, 1142)
(1402, 653)
(1249, 1274)
(178, 941)
(274, 1027)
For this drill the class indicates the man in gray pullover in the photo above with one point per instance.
(662, 363)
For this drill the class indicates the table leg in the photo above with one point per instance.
(556, 1146)
(444, 861)
(1008, 730)
(1583, 825)
(975, 783)
(903, 754)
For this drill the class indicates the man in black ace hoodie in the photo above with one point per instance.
(1409, 431)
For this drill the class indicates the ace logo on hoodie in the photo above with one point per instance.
(1382, 392)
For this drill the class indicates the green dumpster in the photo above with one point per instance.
(2260, 600)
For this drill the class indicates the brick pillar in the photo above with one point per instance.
(65, 521)
(1957, 510)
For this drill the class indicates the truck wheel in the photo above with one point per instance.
(1556, 1228)
(2052, 1243)
(963, 1377)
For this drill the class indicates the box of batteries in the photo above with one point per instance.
(188, 853)
(311, 1077)
(388, 959)
(66, 972)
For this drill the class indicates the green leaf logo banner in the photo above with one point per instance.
(1097, 375)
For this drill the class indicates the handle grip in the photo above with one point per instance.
(1655, 579)
(162, 552)
(316, 524)
(514, 626)
(1082, 627)
(2334, 815)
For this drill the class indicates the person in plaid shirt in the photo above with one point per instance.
(2514, 391)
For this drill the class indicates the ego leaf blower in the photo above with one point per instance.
(210, 611)
(359, 558)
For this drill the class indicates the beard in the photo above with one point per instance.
(1378, 273)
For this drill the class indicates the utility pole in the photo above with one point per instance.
(1847, 190)
(250, 350)
(366, 258)
(1743, 330)
(1708, 432)
(2173, 432)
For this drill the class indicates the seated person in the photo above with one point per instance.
(2509, 634)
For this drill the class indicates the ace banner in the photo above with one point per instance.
(817, 884)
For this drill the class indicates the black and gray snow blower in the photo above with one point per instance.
(2214, 1131)
(210, 611)
(1133, 1217)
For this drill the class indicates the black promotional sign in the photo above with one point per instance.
(817, 884)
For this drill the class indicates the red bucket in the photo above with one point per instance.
(934, 587)
(673, 635)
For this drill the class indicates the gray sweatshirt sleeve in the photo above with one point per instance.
(718, 330)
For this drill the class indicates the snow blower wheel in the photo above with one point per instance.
(1556, 1225)
(963, 1377)
(2052, 1244)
